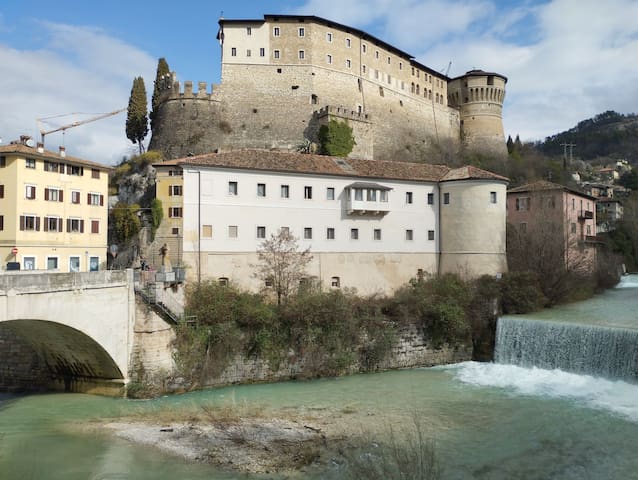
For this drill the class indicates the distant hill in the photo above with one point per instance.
(608, 134)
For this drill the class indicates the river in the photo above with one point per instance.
(490, 421)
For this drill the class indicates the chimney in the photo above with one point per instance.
(40, 147)
(62, 152)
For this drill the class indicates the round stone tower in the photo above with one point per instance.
(479, 97)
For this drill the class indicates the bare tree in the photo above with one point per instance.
(282, 263)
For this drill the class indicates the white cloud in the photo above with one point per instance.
(78, 69)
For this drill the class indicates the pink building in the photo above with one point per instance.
(551, 210)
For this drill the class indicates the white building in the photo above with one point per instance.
(371, 225)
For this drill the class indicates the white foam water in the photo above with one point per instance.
(618, 397)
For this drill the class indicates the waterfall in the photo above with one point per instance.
(584, 349)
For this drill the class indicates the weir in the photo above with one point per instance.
(578, 348)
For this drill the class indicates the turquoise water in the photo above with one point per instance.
(490, 421)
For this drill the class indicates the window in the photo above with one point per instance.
(364, 48)
(95, 226)
(573, 228)
(3, 161)
(52, 224)
(175, 190)
(232, 188)
(29, 222)
(409, 235)
(232, 231)
(348, 42)
(175, 212)
(94, 264)
(276, 31)
(29, 192)
(588, 229)
(29, 263)
(376, 74)
(261, 189)
(381, 93)
(389, 60)
(1, 191)
(307, 192)
(73, 170)
(372, 195)
(358, 194)
(53, 195)
(430, 234)
(74, 264)
(262, 52)
(302, 32)
(492, 197)
(329, 59)
(330, 233)
(400, 65)
(95, 199)
(248, 52)
(261, 232)
(30, 163)
(207, 231)
(307, 233)
(284, 230)
(95, 173)
(354, 234)
(335, 282)
(75, 196)
(330, 193)
(52, 166)
(376, 54)
(314, 99)
(522, 203)
(1, 222)
(430, 199)
(52, 263)
(249, 31)
(74, 225)
(446, 198)
(175, 231)
(363, 68)
(329, 37)
(348, 63)
(377, 234)
(302, 54)
(383, 195)
(276, 53)
(285, 191)
(408, 197)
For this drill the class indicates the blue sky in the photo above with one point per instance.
(566, 60)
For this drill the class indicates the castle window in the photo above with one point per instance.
(279, 70)
(249, 31)
(376, 74)
(233, 52)
(232, 231)
(348, 63)
(430, 199)
(261, 189)
(364, 48)
(412, 88)
(363, 68)
(389, 79)
(409, 235)
(354, 234)
(330, 193)
(276, 32)
(418, 74)
(418, 89)
(314, 99)
(276, 53)
(223, 281)
(400, 65)
(307, 192)
(430, 234)
(335, 282)
(377, 234)
(389, 60)
(248, 52)
(446, 199)
(285, 191)
(492, 197)
(348, 43)
(307, 233)
(329, 37)
(329, 59)
(412, 70)
(302, 32)
(330, 233)
(381, 93)
(262, 52)
(376, 54)
(302, 54)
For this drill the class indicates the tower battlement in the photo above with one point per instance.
(342, 112)
(171, 89)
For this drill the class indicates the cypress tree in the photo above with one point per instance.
(137, 114)
(162, 69)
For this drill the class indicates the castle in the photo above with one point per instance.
(286, 75)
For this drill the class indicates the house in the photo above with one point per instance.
(371, 225)
(52, 210)
(554, 211)
(608, 211)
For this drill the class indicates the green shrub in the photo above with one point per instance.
(521, 293)
(336, 139)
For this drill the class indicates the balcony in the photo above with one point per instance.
(585, 215)
(367, 198)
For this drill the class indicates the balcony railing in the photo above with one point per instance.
(367, 206)
(585, 215)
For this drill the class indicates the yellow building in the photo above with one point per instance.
(169, 185)
(53, 210)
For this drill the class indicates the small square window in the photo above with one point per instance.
(430, 199)
(409, 235)
(175, 231)
(446, 198)
(232, 188)
(408, 197)
(330, 233)
(307, 192)
(335, 282)
(377, 234)
(261, 232)
(354, 234)
(430, 234)
(232, 231)
(285, 191)
(261, 189)
(330, 193)
(307, 233)
(30, 163)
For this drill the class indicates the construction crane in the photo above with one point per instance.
(64, 128)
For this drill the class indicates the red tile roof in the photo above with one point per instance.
(18, 148)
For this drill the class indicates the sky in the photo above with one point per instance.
(565, 60)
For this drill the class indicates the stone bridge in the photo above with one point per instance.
(68, 331)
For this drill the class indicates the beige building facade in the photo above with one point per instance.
(53, 214)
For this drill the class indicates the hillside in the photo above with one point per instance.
(608, 134)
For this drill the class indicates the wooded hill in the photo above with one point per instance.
(609, 134)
